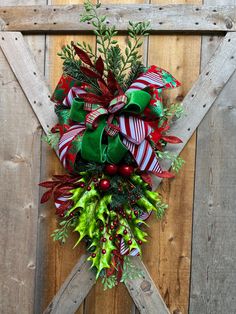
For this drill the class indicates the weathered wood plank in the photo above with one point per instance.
(73, 290)
(144, 292)
(181, 17)
(56, 260)
(204, 92)
(222, 58)
(30, 78)
(170, 244)
(20, 135)
(213, 275)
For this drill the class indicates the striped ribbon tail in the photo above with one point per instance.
(135, 132)
(65, 143)
(124, 248)
(150, 78)
(74, 92)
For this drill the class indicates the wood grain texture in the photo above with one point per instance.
(206, 89)
(215, 59)
(30, 78)
(56, 261)
(19, 174)
(213, 279)
(144, 291)
(182, 17)
(170, 239)
(73, 290)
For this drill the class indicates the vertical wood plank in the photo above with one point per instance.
(168, 253)
(19, 175)
(213, 279)
(55, 260)
(116, 300)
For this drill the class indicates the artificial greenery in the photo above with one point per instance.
(52, 139)
(125, 66)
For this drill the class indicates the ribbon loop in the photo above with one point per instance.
(120, 118)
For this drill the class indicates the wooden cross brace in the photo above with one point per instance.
(197, 102)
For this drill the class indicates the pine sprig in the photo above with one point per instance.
(130, 271)
(61, 234)
(176, 161)
(52, 139)
(135, 32)
(135, 70)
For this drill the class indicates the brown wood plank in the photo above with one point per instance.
(213, 279)
(182, 17)
(20, 134)
(170, 245)
(223, 57)
(57, 260)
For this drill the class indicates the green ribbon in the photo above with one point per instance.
(94, 146)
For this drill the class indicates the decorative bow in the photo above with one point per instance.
(89, 117)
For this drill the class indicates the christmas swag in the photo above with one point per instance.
(110, 138)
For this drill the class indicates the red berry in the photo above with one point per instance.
(104, 184)
(104, 239)
(111, 238)
(62, 215)
(71, 214)
(140, 242)
(125, 231)
(130, 216)
(101, 228)
(103, 251)
(129, 242)
(95, 180)
(88, 188)
(112, 227)
(126, 170)
(117, 236)
(115, 223)
(82, 184)
(93, 255)
(119, 189)
(136, 213)
(111, 169)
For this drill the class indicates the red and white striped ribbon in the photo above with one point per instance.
(60, 201)
(74, 92)
(67, 139)
(150, 78)
(135, 132)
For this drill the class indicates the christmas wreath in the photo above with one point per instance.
(111, 134)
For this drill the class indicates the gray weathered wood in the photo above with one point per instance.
(30, 78)
(74, 289)
(208, 87)
(204, 92)
(213, 273)
(20, 147)
(162, 17)
(144, 292)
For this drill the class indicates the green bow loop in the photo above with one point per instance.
(77, 112)
(92, 148)
(137, 101)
